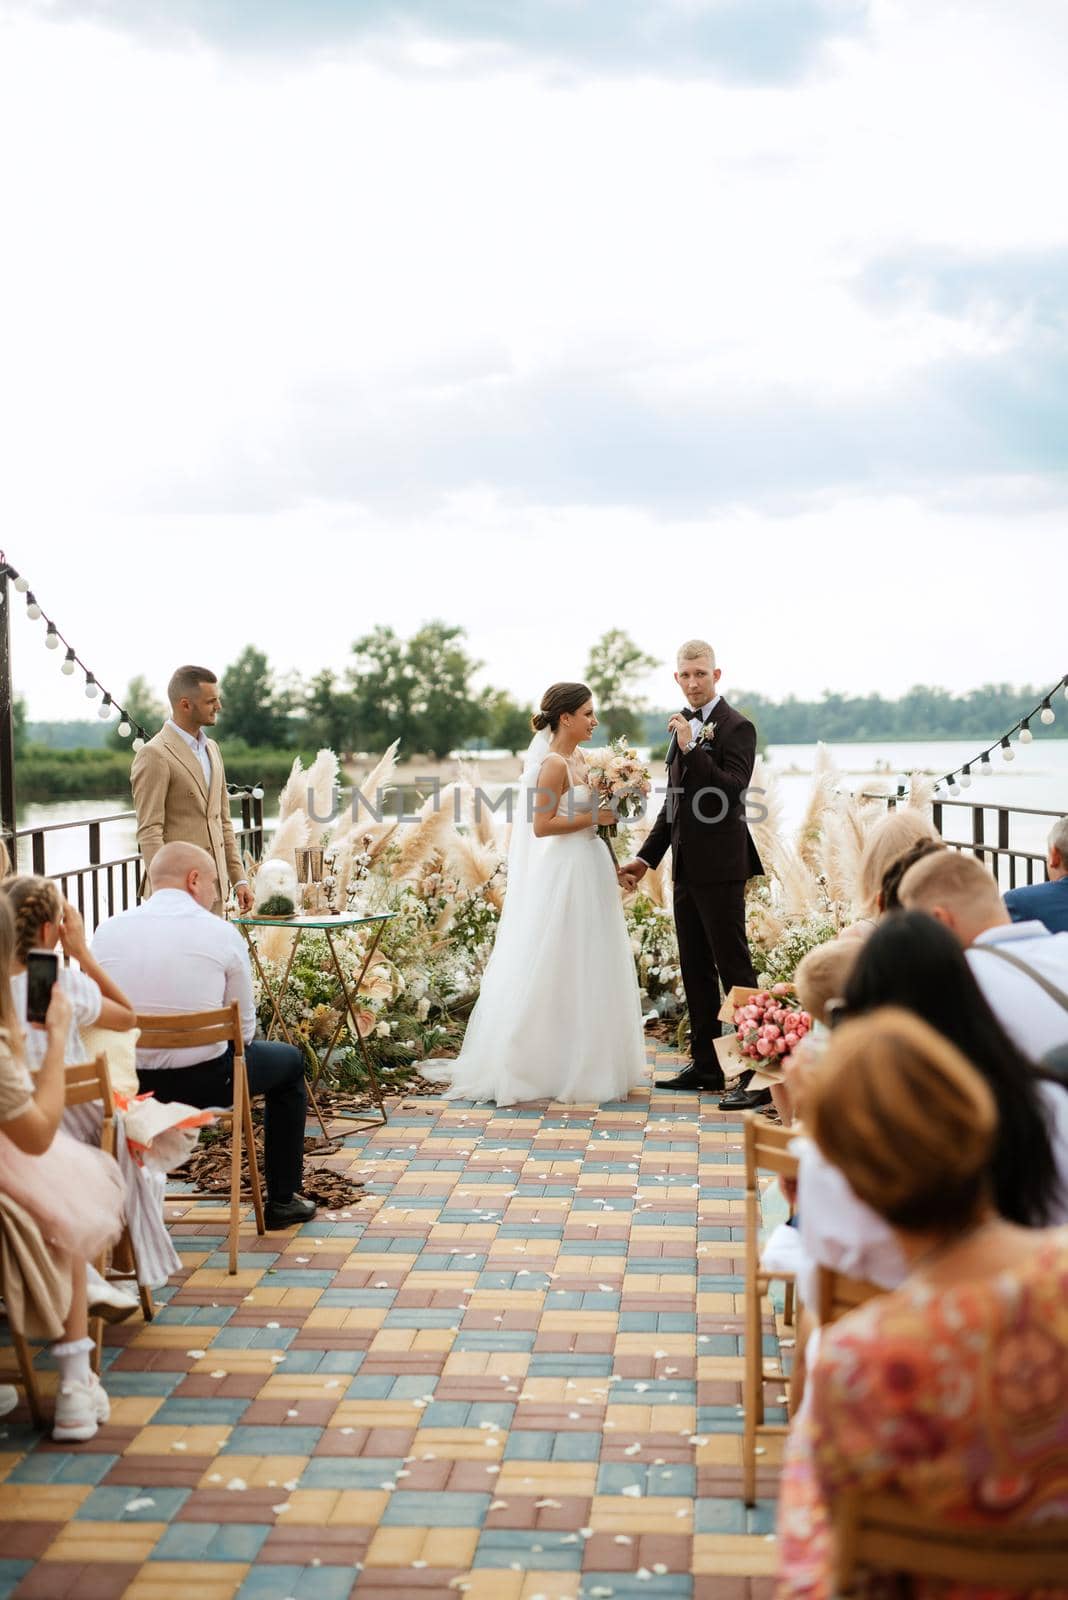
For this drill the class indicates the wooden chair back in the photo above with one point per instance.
(184, 1030)
(838, 1294)
(767, 1149)
(886, 1533)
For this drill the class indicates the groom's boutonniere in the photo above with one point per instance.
(708, 732)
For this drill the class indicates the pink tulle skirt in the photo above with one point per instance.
(74, 1193)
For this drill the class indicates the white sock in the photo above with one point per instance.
(73, 1360)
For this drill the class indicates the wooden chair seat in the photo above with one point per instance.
(193, 1029)
(766, 1149)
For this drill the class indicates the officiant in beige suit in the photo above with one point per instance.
(179, 785)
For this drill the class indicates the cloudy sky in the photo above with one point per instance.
(742, 318)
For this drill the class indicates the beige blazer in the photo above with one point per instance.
(173, 802)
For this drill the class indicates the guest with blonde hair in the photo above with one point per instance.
(44, 920)
(61, 1202)
(892, 837)
(900, 1395)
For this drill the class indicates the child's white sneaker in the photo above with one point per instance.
(80, 1409)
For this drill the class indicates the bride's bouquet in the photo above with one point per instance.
(771, 1024)
(620, 781)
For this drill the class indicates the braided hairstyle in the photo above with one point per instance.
(33, 901)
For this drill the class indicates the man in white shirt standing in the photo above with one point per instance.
(171, 954)
(179, 785)
(1021, 967)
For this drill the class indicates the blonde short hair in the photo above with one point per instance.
(693, 649)
(823, 974)
(890, 839)
(906, 1119)
(950, 877)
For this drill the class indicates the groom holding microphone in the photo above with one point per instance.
(710, 764)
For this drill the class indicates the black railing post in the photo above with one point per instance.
(978, 836)
(7, 714)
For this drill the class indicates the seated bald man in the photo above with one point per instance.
(1021, 967)
(171, 954)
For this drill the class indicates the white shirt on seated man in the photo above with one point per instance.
(171, 954)
(1021, 967)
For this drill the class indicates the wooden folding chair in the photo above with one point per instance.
(24, 1372)
(837, 1294)
(186, 1030)
(885, 1533)
(86, 1083)
(765, 1149)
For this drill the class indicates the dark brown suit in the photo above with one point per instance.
(703, 820)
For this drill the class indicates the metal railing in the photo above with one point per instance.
(100, 888)
(989, 837)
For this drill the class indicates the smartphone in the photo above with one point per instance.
(42, 972)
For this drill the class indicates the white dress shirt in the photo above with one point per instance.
(199, 747)
(169, 954)
(699, 718)
(1030, 1017)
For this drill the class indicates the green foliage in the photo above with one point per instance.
(418, 691)
(105, 774)
(508, 723)
(329, 714)
(142, 708)
(255, 708)
(922, 713)
(615, 668)
(18, 728)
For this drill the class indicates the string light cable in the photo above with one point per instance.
(961, 777)
(72, 661)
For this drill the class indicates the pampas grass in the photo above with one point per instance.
(821, 799)
(429, 833)
(291, 836)
(320, 795)
(472, 863)
(294, 796)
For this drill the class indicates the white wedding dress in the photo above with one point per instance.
(559, 1014)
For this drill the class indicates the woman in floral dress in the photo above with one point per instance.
(953, 1389)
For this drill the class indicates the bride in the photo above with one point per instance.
(559, 1014)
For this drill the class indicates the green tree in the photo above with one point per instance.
(508, 723)
(255, 708)
(330, 714)
(419, 691)
(18, 725)
(615, 668)
(142, 708)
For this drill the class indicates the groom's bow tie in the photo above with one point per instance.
(689, 713)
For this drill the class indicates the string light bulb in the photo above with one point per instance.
(51, 637)
(21, 584)
(68, 664)
(954, 787)
(985, 769)
(1007, 752)
(124, 729)
(1026, 736)
(33, 610)
(91, 690)
(1047, 714)
(138, 744)
(104, 709)
(966, 777)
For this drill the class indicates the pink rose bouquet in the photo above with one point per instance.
(771, 1024)
(620, 780)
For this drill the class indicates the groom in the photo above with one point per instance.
(710, 763)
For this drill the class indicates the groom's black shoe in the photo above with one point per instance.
(695, 1077)
(742, 1098)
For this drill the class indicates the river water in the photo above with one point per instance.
(1036, 779)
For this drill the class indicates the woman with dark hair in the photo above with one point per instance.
(559, 1013)
(913, 962)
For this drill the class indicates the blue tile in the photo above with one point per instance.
(150, 1385)
(179, 1412)
(413, 1509)
(576, 1446)
(297, 1583)
(257, 1441)
(59, 1466)
(718, 1516)
(628, 1586)
(211, 1541)
(529, 1444)
(422, 1319)
(345, 1472)
(11, 1575)
(541, 1551)
(109, 1504)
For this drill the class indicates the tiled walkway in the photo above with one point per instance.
(512, 1369)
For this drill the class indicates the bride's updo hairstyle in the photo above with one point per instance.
(558, 699)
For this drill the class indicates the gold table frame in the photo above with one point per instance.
(329, 925)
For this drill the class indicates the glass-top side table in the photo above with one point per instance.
(298, 925)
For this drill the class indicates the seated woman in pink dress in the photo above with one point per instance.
(64, 1198)
(951, 1390)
